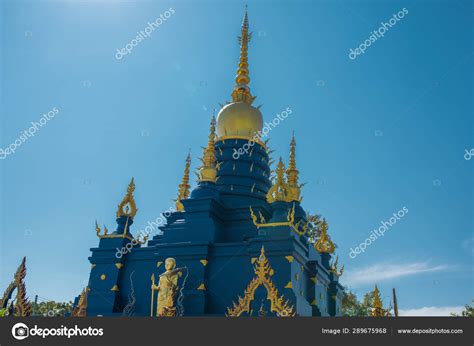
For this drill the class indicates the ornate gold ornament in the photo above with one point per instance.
(294, 188)
(81, 308)
(183, 189)
(263, 272)
(377, 306)
(128, 207)
(334, 269)
(241, 91)
(22, 306)
(112, 235)
(324, 243)
(239, 119)
(300, 228)
(279, 190)
(208, 170)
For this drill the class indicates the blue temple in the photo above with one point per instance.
(241, 236)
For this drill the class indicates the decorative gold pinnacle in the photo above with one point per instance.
(377, 307)
(324, 243)
(279, 190)
(263, 273)
(294, 189)
(128, 207)
(183, 189)
(241, 91)
(208, 171)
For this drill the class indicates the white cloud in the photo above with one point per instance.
(468, 246)
(383, 272)
(431, 311)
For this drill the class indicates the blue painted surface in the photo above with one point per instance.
(216, 226)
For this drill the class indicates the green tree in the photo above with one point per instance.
(351, 306)
(467, 312)
(3, 312)
(52, 308)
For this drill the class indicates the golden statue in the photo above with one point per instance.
(167, 290)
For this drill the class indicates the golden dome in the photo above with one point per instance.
(239, 119)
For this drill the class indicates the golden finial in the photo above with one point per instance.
(334, 268)
(294, 189)
(377, 308)
(183, 190)
(208, 171)
(324, 243)
(241, 91)
(128, 207)
(279, 190)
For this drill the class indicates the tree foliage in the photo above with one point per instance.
(52, 308)
(467, 312)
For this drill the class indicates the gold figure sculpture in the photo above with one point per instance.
(167, 289)
(263, 272)
(183, 189)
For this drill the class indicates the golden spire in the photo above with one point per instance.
(183, 190)
(294, 189)
(279, 190)
(208, 171)
(324, 243)
(128, 207)
(241, 91)
(377, 308)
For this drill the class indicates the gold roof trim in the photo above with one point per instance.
(263, 272)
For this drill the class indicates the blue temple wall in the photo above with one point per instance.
(216, 241)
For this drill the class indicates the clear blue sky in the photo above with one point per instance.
(386, 130)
